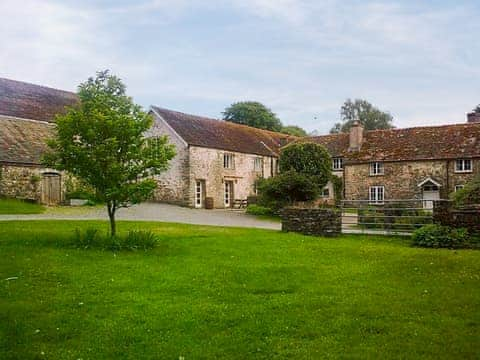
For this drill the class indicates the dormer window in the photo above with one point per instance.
(463, 165)
(337, 164)
(228, 161)
(376, 168)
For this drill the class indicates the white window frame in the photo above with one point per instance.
(258, 164)
(376, 195)
(377, 168)
(198, 194)
(460, 165)
(459, 187)
(337, 163)
(228, 161)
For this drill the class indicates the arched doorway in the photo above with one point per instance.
(51, 188)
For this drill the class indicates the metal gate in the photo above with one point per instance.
(398, 217)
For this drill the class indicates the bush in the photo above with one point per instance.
(259, 210)
(309, 159)
(286, 189)
(91, 238)
(469, 195)
(437, 236)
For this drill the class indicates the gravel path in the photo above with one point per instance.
(154, 212)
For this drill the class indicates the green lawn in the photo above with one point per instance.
(210, 292)
(14, 206)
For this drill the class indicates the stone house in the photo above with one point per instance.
(424, 163)
(215, 158)
(27, 113)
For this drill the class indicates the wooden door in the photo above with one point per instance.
(51, 189)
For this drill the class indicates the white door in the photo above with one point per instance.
(228, 193)
(199, 194)
(429, 197)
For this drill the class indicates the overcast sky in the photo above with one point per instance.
(420, 60)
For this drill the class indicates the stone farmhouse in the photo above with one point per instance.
(222, 160)
(425, 163)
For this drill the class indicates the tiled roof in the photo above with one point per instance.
(23, 141)
(417, 143)
(29, 101)
(219, 134)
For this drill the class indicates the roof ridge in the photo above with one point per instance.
(228, 123)
(36, 85)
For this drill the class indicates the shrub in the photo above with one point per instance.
(469, 195)
(309, 159)
(91, 238)
(254, 209)
(437, 236)
(286, 189)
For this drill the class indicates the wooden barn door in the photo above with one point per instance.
(51, 189)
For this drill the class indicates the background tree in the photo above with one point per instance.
(369, 116)
(101, 142)
(305, 169)
(254, 114)
(294, 130)
(477, 109)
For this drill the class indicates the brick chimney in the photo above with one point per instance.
(356, 136)
(473, 117)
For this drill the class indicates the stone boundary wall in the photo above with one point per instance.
(445, 214)
(311, 221)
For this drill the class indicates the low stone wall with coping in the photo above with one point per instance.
(444, 213)
(312, 221)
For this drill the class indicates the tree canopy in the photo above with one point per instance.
(254, 114)
(477, 109)
(294, 130)
(309, 159)
(101, 142)
(369, 116)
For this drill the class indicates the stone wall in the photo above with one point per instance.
(311, 221)
(173, 184)
(445, 214)
(24, 182)
(206, 164)
(401, 178)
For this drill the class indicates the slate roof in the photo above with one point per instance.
(23, 141)
(29, 101)
(417, 143)
(219, 134)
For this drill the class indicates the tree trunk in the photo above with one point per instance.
(111, 214)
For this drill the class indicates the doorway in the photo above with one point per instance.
(51, 189)
(228, 194)
(199, 194)
(430, 192)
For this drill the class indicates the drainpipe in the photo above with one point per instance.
(448, 178)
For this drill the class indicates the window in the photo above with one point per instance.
(458, 187)
(337, 164)
(463, 165)
(376, 195)
(258, 164)
(228, 161)
(376, 168)
(325, 192)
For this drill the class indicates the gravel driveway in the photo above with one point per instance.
(154, 212)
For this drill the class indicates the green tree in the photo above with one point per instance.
(294, 130)
(254, 114)
(369, 116)
(477, 109)
(309, 159)
(100, 141)
(470, 194)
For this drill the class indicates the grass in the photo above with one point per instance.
(15, 206)
(211, 292)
